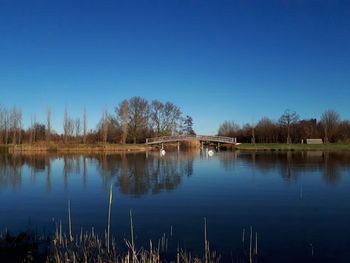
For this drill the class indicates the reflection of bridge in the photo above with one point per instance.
(200, 138)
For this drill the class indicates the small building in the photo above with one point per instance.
(314, 141)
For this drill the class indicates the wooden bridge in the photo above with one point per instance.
(200, 138)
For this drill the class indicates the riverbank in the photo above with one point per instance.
(292, 147)
(114, 148)
(75, 148)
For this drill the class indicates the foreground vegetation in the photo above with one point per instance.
(89, 247)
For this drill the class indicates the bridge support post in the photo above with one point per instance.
(162, 146)
(178, 146)
(202, 145)
(218, 147)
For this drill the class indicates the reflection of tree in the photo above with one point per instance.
(48, 177)
(13, 166)
(291, 165)
(71, 165)
(227, 159)
(108, 165)
(10, 171)
(136, 174)
(262, 161)
(141, 175)
(331, 169)
(288, 170)
(84, 172)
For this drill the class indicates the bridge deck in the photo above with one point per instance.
(204, 138)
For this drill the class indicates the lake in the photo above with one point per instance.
(296, 203)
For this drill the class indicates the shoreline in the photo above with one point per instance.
(124, 148)
(74, 148)
(292, 147)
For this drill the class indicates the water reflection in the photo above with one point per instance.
(135, 174)
(10, 172)
(140, 174)
(234, 190)
(291, 165)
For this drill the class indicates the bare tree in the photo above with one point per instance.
(6, 125)
(330, 120)
(34, 130)
(31, 130)
(104, 125)
(253, 134)
(15, 123)
(19, 125)
(2, 123)
(165, 118)
(228, 128)
(77, 128)
(12, 124)
(287, 119)
(48, 123)
(70, 130)
(65, 125)
(157, 114)
(307, 128)
(68, 126)
(138, 117)
(172, 118)
(84, 126)
(265, 130)
(344, 131)
(123, 114)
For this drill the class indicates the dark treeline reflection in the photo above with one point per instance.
(139, 174)
(11, 168)
(291, 165)
(135, 174)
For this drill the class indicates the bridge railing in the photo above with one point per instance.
(208, 138)
(216, 138)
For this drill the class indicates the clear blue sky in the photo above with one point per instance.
(217, 60)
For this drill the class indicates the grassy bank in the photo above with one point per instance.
(112, 148)
(77, 148)
(292, 147)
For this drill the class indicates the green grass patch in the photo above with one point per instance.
(293, 147)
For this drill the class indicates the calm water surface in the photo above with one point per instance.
(298, 203)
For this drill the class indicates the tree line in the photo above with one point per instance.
(289, 128)
(132, 121)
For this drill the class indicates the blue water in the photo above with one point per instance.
(298, 204)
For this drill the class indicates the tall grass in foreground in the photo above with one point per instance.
(89, 247)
